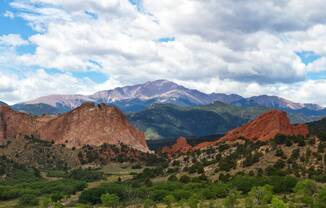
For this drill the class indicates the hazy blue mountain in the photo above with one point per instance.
(279, 103)
(3, 103)
(139, 97)
(40, 109)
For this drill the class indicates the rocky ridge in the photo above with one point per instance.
(88, 124)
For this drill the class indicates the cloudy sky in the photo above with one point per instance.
(248, 47)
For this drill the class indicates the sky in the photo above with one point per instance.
(247, 47)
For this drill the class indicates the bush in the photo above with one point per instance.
(184, 179)
(110, 200)
(172, 178)
(86, 175)
(28, 200)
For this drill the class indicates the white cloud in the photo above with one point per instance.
(40, 83)
(12, 40)
(9, 14)
(246, 47)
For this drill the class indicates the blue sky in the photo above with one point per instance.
(76, 46)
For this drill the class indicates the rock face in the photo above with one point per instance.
(265, 127)
(13, 123)
(88, 124)
(181, 146)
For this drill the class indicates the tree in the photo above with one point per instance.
(184, 179)
(172, 178)
(45, 202)
(321, 199)
(110, 200)
(28, 200)
(169, 199)
(193, 201)
(148, 203)
(231, 200)
(305, 191)
(278, 203)
(259, 196)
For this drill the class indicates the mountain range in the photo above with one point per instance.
(139, 97)
(166, 110)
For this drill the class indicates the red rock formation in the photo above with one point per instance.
(13, 123)
(265, 127)
(181, 146)
(89, 124)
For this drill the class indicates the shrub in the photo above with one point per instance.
(28, 200)
(172, 178)
(278, 203)
(110, 200)
(86, 175)
(184, 179)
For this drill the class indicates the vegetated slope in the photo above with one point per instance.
(170, 121)
(40, 154)
(318, 128)
(89, 124)
(10, 170)
(285, 155)
(165, 121)
(267, 145)
(44, 155)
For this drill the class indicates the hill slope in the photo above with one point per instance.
(165, 121)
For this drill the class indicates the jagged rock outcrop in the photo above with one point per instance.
(88, 124)
(13, 123)
(181, 146)
(265, 127)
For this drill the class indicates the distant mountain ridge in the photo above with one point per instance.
(129, 99)
(139, 97)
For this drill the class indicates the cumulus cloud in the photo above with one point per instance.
(12, 40)
(246, 47)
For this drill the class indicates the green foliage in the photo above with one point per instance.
(169, 199)
(232, 199)
(184, 179)
(58, 187)
(28, 200)
(305, 191)
(85, 175)
(278, 203)
(172, 178)
(259, 196)
(110, 200)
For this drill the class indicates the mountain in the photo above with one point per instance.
(318, 128)
(3, 103)
(130, 98)
(266, 127)
(275, 102)
(263, 128)
(167, 121)
(88, 124)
